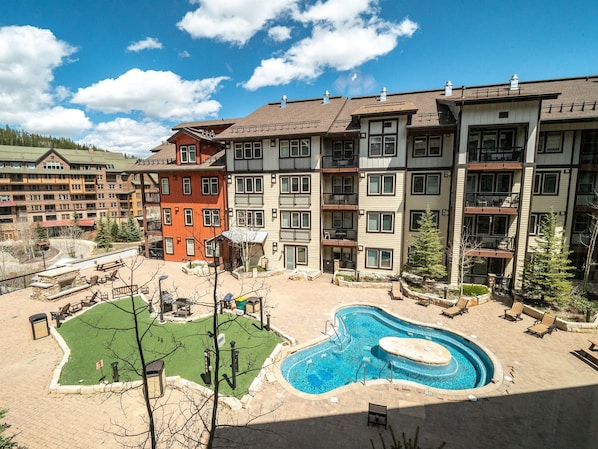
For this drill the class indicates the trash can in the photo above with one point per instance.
(39, 325)
(252, 305)
(156, 378)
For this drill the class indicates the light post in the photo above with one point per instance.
(42, 247)
(160, 279)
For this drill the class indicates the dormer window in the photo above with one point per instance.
(188, 154)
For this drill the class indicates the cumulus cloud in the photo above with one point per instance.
(28, 57)
(232, 21)
(157, 94)
(124, 135)
(279, 33)
(149, 43)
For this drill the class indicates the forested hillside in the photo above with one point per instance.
(15, 137)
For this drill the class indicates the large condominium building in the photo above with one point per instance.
(55, 186)
(338, 182)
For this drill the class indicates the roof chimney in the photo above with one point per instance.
(326, 98)
(514, 82)
(383, 94)
(283, 102)
(448, 89)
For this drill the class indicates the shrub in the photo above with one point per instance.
(474, 290)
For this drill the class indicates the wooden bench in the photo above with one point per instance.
(126, 290)
(377, 415)
(105, 266)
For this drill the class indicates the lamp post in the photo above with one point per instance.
(160, 279)
(42, 247)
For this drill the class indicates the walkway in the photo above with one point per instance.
(552, 402)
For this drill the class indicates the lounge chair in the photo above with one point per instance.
(63, 312)
(514, 313)
(457, 309)
(112, 276)
(93, 280)
(90, 300)
(395, 292)
(544, 326)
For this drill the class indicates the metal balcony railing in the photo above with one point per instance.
(491, 199)
(340, 161)
(483, 241)
(339, 234)
(509, 154)
(340, 199)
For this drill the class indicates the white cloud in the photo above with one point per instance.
(149, 43)
(330, 46)
(184, 54)
(279, 33)
(234, 21)
(124, 135)
(337, 11)
(157, 94)
(28, 57)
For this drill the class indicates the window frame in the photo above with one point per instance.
(427, 148)
(248, 150)
(415, 216)
(245, 181)
(211, 218)
(539, 187)
(165, 186)
(544, 141)
(379, 259)
(169, 242)
(294, 148)
(426, 177)
(295, 219)
(188, 213)
(188, 154)
(382, 177)
(211, 248)
(192, 252)
(186, 182)
(380, 222)
(287, 187)
(210, 186)
(249, 217)
(167, 216)
(381, 143)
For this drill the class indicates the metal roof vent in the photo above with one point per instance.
(283, 102)
(448, 89)
(383, 94)
(326, 98)
(514, 81)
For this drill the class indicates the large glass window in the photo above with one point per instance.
(209, 186)
(295, 184)
(415, 217)
(248, 150)
(186, 186)
(550, 142)
(294, 148)
(546, 183)
(380, 222)
(378, 258)
(381, 185)
(425, 184)
(249, 184)
(188, 154)
(383, 138)
(211, 217)
(166, 212)
(295, 220)
(251, 218)
(427, 146)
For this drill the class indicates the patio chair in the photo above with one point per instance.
(544, 326)
(112, 276)
(395, 292)
(90, 300)
(457, 309)
(514, 313)
(93, 280)
(63, 312)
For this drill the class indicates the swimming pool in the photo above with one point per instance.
(353, 354)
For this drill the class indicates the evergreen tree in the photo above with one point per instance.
(41, 233)
(114, 230)
(103, 239)
(6, 442)
(548, 270)
(426, 256)
(130, 231)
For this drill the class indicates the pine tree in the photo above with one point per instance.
(426, 256)
(130, 230)
(103, 239)
(41, 233)
(548, 270)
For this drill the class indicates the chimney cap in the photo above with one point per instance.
(383, 94)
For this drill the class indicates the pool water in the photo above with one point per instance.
(352, 353)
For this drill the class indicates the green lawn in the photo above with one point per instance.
(106, 332)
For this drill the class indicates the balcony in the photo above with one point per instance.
(588, 161)
(249, 199)
(332, 164)
(494, 246)
(493, 203)
(339, 201)
(495, 158)
(152, 198)
(339, 237)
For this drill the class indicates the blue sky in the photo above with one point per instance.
(119, 74)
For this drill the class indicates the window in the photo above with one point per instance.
(294, 148)
(425, 184)
(295, 184)
(212, 248)
(383, 138)
(251, 218)
(167, 216)
(190, 244)
(416, 216)
(188, 213)
(248, 150)
(550, 142)
(380, 222)
(378, 258)
(546, 183)
(165, 186)
(301, 254)
(381, 185)
(186, 186)
(211, 217)
(169, 245)
(581, 223)
(342, 220)
(188, 154)
(342, 150)
(249, 184)
(209, 186)
(427, 146)
(585, 182)
(534, 223)
(295, 220)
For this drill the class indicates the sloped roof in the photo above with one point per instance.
(305, 117)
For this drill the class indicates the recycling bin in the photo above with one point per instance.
(39, 325)
(156, 378)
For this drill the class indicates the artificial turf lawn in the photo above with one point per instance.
(106, 332)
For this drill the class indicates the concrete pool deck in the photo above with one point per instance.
(552, 401)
